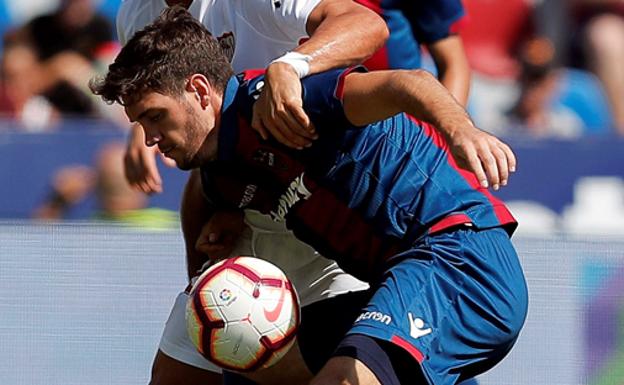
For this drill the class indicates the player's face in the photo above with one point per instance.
(177, 125)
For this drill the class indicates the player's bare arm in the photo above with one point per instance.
(194, 212)
(207, 233)
(342, 33)
(452, 64)
(369, 97)
(140, 163)
(220, 233)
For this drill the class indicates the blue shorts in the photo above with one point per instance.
(455, 302)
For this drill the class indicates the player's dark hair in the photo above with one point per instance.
(160, 58)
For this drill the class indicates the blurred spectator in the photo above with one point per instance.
(432, 23)
(61, 52)
(22, 82)
(117, 201)
(519, 73)
(537, 112)
(598, 45)
(492, 35)
(74, 27)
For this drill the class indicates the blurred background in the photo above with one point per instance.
(89, 268)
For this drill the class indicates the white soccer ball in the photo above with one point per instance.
(243, 314)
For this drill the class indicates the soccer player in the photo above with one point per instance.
(432, 23)
(378, 191)
(315, 277)
(252, 33)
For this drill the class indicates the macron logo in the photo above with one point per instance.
(375, 316)
(417, 327)
(295, 192)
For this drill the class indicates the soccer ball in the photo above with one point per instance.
(243, 314)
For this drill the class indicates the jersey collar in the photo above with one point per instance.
(228, 131)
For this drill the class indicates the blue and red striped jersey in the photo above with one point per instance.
(359, 195)
(411, 23)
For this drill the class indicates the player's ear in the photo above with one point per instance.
(200, 86)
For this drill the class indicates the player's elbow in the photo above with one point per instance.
(369, 25)
(378, 29)
(421, 75)
(406, 81)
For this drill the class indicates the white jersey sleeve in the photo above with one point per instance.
(133, 15)
(283, 20)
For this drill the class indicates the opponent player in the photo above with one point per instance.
(383, 197)
(252, 33)
(433, 23)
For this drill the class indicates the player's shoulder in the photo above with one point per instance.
(249, 87)
(288, 14)
(128, 8)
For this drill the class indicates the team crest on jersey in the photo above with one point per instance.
(227, 43)
(268, 159)
(264, 157)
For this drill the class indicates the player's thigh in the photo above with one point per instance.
(345, 371)
(463, 290)
(168, 371)
(324, 324)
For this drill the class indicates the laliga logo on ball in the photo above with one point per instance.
(243, 314)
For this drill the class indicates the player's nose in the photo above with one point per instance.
(152, 137)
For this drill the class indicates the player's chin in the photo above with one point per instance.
(185, 164)
(188, 162)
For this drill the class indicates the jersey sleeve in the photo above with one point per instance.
(123, 22)
(322, 97)
(433, 20)
(279, 20)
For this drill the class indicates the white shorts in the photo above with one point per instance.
(314, 277)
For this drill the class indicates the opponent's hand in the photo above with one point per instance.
(279, 109)
(486, 156)
(220, 233)
(140, 163)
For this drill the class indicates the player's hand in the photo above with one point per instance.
(486, 156)
(140, 163)
(219, 235)
(73, 183)
(279, 109)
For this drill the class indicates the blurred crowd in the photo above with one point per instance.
(542, 68)
(46, 64)
(546, 68)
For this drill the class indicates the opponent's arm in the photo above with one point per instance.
(194, 213)
(452, 65)
(374, 96)
(342, 33)
(208, 233)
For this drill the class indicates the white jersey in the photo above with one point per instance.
(252, 32)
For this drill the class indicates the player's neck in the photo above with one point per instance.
(183, 3)
(212, 140)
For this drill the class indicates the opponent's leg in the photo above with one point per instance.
(365, 360)
(177, 357)
(345, 371)
(168, 371)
